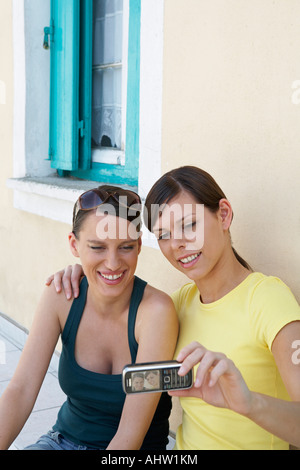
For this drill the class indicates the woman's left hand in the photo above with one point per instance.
(217, 381)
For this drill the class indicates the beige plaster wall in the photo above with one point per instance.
(31, 247)
(229, 67)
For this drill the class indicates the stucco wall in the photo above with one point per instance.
(229, 107)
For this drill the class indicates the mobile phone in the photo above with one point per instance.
(155, 377)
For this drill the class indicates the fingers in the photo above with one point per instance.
(190, 356)
(70, 280)
(77, 273)
(220, 369)
(67, 279)
(56, 279)
(211, 367)
(49, 280)
(188, 350)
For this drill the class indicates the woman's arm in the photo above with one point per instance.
(18, 399)
(156, 333)
(280, 417)
(219, 383)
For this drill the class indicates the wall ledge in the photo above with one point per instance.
(54, 198)
(50, 197)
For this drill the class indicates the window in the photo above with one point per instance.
(36, 187)
(94, 96)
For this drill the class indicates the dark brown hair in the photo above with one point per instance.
(193, 180)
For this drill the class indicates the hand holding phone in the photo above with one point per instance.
(155, 377)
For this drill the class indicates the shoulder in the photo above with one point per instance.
(271, 290)
(157, 300)
(156, 320)
(57, 299)
(55, 304)
(272, 306)
(183, 294)
(156, 310)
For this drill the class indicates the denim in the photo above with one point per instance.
(55, 441)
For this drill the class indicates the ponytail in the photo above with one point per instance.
(241, 260)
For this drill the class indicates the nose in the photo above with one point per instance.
(177, 241)
(112, 261)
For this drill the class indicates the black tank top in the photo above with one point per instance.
(94, 405)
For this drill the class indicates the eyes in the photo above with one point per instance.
(102, 248)
(164, 236)
(182, 231)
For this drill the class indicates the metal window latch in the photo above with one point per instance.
(48, 32)
(81, 127)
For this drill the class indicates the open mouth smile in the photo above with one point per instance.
(111, 279)
(190, 260)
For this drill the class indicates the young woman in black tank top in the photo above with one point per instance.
(117, 319)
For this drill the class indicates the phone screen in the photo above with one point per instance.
(144, 381)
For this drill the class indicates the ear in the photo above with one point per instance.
(225, 213)
(73, 244)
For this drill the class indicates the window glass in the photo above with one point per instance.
(107, 74)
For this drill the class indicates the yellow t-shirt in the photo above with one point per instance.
(242, 325)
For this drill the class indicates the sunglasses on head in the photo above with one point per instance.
(94, 198)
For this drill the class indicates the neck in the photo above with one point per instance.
(110, 306)
(224, 277)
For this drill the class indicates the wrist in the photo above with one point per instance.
(255, 406)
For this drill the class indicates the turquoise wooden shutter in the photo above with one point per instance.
(85, 83)
(64, 84)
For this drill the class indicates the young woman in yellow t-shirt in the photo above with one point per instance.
(238, 328)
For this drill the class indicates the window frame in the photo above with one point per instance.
(70, 120)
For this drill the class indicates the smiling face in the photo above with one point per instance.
(138, 383)
(194, 241)
(153, 379)
(108, 262)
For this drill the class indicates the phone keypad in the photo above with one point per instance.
(171, 379)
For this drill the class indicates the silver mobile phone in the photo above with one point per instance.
(155, 377)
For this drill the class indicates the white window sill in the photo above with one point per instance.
(54, 198)
(50, 197)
